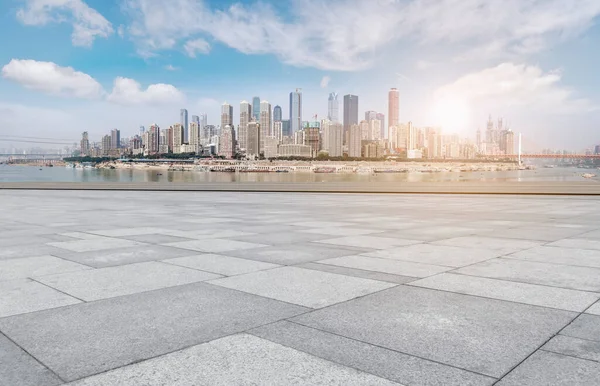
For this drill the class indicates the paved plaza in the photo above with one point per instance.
(232, 288)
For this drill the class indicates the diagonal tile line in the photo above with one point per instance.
(58, 290)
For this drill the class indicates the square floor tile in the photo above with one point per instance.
(156, 239)
(505, 246)
(305, 287)
(486, 336)
(574, 347)
(23, 295)
(342, 231)
(321, 224)
(98, 244)
(577, 243)
(372, 242)
(278, 238)
(109, 282)
(215, 245)
(36, 266)
(295, 253)
(557, 255)
(584, 327)
(594, 310)
(20, 369)
(223, 265)
(381, 276)
(395, 267)
(128, 329)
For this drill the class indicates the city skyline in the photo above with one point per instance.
(110, 68)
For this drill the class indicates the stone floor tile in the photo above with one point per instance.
(342, 231)
(109, 282)
(321, 224)
(575, 347)
(394, 267)
(585, 327)
(114, 257)
(35, 266)
(124, 232)
(98, 244)
(594, 310)
(19, 251)
(220, 264)
(436, 254)
(371, 242)
(577, 278)
(546, 368)
(486, 336)
(577, 243)
(389, 364)
(278, 238)
(128, 329)
(24, 295)
(398, 279)
(156, 239)
(19, 369)
(215, 245)
(564, 299)
(557, 255)
(243, 360)
(504, 246)
(541, 233)
(305, 287)
(295, 253)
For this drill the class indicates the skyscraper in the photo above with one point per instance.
(350, 113)
(226, 115)
(153, 139)
(196, 119)
(354, 141)
(177, 135)
(370, 115)
(245, 118)
(277, 114)
(256, 108)
(115, 138)
(106, 144)
(295, 110)
(227, 142)
(253, 141)
(286, 128)
(394, 107)
(333, 106)
(332, 134)
(202, 121)
(84, 144)
(183, 119)
(384, 129)
(265, 123)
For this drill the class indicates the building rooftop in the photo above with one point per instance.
(233, 288)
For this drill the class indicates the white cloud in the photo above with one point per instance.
(196, 46)
(325, 81)
(129, 92)
(514, 87)
(52, 78)
(170, 67)
(351, 34)
(88, 23)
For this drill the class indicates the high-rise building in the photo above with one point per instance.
(226, 115)
(256, 108)
(265, 123)
(286, 128)
(84, 144)
(271, 144)
(394, 107)
(106, 144)
(183, 120)
(412, 137)
(227, 142)
(312, 138)
(253, 139)
(277, 116)
(333, 138)
(365, 130)
(333, 106)
(163, 142)
(278, 130)
(295, 110)
(202, 121)
(194, 137)
(115, 138)
(507, 144)
(196, 119)
(384, 130)
(354, 141)
(375, 129)
(370, 115)
(177, 135)
(153, 139)
(245, 118)
(350, 113)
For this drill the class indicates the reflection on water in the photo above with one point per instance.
(61, 174)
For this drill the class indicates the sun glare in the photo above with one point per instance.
(452, 114)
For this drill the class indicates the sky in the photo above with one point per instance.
(69, 66)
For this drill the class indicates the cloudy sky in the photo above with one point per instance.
(74, 65)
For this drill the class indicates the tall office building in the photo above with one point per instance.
(84, 144)
(375, 129)
(295, 110)
(333, 138)
(370, 115)
(278, 130)
(177, 135)
(256, 108)
(412, 137)
(286, 128)
(196, 119)
(277, 116)
(333, 106)
(384, 129)
(226, 115)
(312, 138)
(183, 119)
(194, 137)
(153, 139)
(265, 123)
(245, 118)
(227, 142)
(106, 144)
(202, 121)
(253, 140)
(115, 138)
(350, 113)
(354, 141)
(393, 107)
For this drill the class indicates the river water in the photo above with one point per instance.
(13, 173)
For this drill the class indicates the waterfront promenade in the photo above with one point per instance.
(191, 287)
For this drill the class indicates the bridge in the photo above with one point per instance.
(555, 156)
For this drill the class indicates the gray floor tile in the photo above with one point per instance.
(19, 251)
(131, 328)
(215, 245)
(278, 238)
(295, 253)
(594, 310)
(486, 336)
(564, 299)
(236, 360)
(504, 246)
(395, 267)
(123, 232)
(20, 369)
(432, 233)
(578, 278)
(36, 266)
(96, 244)
(541, 233)
(577, 243)
(393, 365)
(584, 327)
(156, 239)
(305, 287)
(342, 231)
(398, 279)
(24, 295)
(321, 224)
(109, 282)
(557, 255)
(546, 368)
(575, 347)
(436, 254)
(223, 265)
(371, 242)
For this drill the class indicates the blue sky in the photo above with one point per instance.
(75, 65)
